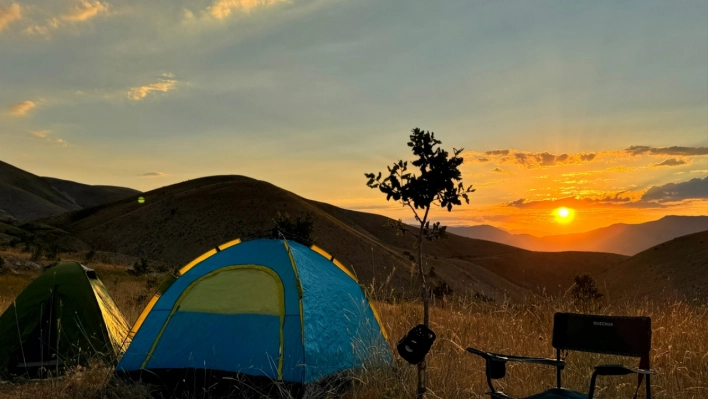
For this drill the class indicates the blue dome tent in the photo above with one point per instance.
(262, 308)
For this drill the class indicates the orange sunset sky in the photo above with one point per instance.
(598, 107)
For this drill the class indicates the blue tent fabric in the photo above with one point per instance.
(324, 325)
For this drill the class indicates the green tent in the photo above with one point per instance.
(64, 318)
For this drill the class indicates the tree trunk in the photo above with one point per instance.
(426, 308)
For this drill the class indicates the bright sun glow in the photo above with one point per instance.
(564, 215)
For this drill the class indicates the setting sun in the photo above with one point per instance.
(564, 215)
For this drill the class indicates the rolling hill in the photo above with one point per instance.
(620, 238)
(179, 222)
(674, 268)
(25, 196)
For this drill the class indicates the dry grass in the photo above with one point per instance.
(679, 352)
(680, 348)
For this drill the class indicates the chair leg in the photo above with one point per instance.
(558, 370)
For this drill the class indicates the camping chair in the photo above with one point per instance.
(617, 335)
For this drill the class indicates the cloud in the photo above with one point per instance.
(85, 11)
(152, 174)
(497, 170)
(482, 159)
(40, 134)
(545, 159)
(140, 92)
(655, 197)
(46, 135)
(672, 192)
(497, 152)
(616, 199)
(669, 162)
(21, 108)
(221, 9)
(518, 203)
(686, 151)
(37, 30)
(8, 14)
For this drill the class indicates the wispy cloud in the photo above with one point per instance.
(656, 197)
(608, 198)
(82, 11)
(498, 170)
(46, 135)
(221, 9)
(669, 162)
(21, 108)
(546, 159)
(686, 151)
(8, 14)
(164, 85)
(152, 174)
(85, 10)
(40, 134)
(37, 30)
(530, 160)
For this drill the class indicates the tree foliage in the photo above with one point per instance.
(432, 180)
(585, 289)
(299, 229)
(438, 182)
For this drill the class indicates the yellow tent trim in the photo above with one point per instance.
(377, 317)
(193, 263)
(205, 255)
(229, 244)
(335, 261)
(143, 316)
(281, 297)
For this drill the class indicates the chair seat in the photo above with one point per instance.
(553, 393)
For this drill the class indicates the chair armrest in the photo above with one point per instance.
(496, 364)
(615, 369)
(522, 359)
(618, 369)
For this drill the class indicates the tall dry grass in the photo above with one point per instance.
(679, 352)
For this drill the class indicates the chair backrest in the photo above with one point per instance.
(618, 335)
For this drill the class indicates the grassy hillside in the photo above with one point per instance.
(86, 196)
(25, 197)
(676, 267)
(180, 222)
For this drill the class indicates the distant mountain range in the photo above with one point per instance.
(24, 196)
(620, 238)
